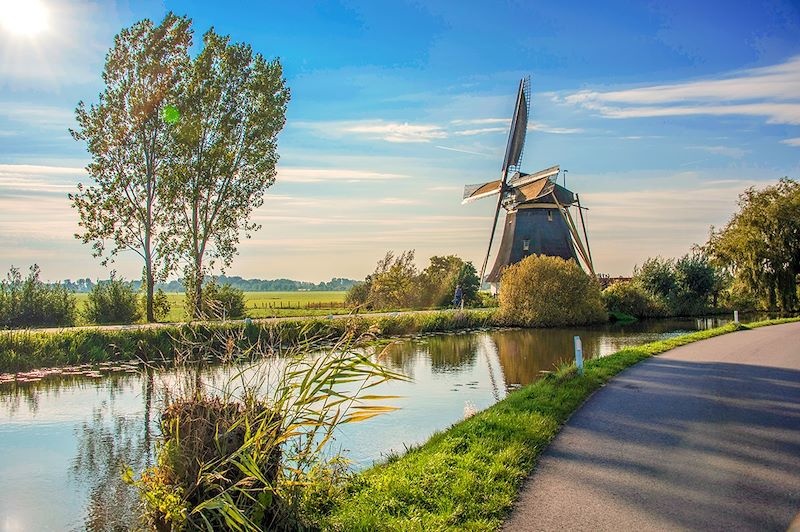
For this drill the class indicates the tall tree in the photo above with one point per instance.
(126, 135)
(232, 105)
(760, 246)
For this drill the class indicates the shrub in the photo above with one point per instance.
(161, 304)
(544, 291)
(30, 302)
(630, 298)
(112, 301)
(224, 301)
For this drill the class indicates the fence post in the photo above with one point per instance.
(579, 354)
(735, 316)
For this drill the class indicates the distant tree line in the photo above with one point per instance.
(337, 284)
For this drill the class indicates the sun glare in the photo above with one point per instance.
(23, 17)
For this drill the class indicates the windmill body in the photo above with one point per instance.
(538, 219)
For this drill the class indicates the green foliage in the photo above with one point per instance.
(223, 302)
(232, 106)
(112, 301)
(161, 305)
(29, 302)
(439, 280)
(542, 291)
(243, 460)
(129, 146)
(393, 285)
(396, 283)
(657, 276)
(467, 477)
(20, 351)
(631, 299)
(760, 246)
(684, 287)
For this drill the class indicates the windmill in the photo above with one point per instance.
(538, 219)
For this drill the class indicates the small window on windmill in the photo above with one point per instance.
(549, 216)
(526, 245)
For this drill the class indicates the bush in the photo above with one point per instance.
(631, 299)
(29, 302)
(545, 291)
(223, 302)
(161, 304)
(113, 301)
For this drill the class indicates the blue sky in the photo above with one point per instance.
(662, 112)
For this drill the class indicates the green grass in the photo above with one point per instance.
(263, 304)
(30, 349)
(467, 477)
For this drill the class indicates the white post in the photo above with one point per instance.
(579, 354)
(735, 316)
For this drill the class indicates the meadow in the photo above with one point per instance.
(264, 304)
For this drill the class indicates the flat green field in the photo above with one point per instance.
(267, 304)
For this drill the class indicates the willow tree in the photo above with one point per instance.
(232, 105)
(126, 135)
(760, 246)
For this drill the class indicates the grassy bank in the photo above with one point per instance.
(262, 304)
(466, 478)
(25, 350)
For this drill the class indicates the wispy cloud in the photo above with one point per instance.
(772, 92)
(462, 150)
(295, 174)
(480, 121)
(398, 132)
(792, 142)
(481, 131)
(726, 151)
(538, 126)
(398, 201)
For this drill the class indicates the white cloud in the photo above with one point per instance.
(462, 150)
(398, 132)
(772, 92)
(791, 142)
(398, 201)
(294, 174)
(727, 151)
(537, 126)
(481, 121)
(481, 131)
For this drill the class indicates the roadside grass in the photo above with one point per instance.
(467, 477)
(29, 349)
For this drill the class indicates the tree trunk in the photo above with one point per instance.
(197, 311)
(148, 281)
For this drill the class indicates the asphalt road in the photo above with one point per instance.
(703, 437)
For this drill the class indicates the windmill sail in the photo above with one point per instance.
(516, 142)
(519, 127)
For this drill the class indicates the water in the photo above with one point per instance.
(63, 439)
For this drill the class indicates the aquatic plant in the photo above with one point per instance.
(248, 454)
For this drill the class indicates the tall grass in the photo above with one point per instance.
(248, 456)
(25, 350)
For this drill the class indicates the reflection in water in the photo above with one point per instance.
(108, 443)
(64, 440)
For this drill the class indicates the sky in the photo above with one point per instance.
(661, 112)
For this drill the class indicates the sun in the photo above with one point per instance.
(26, 18)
